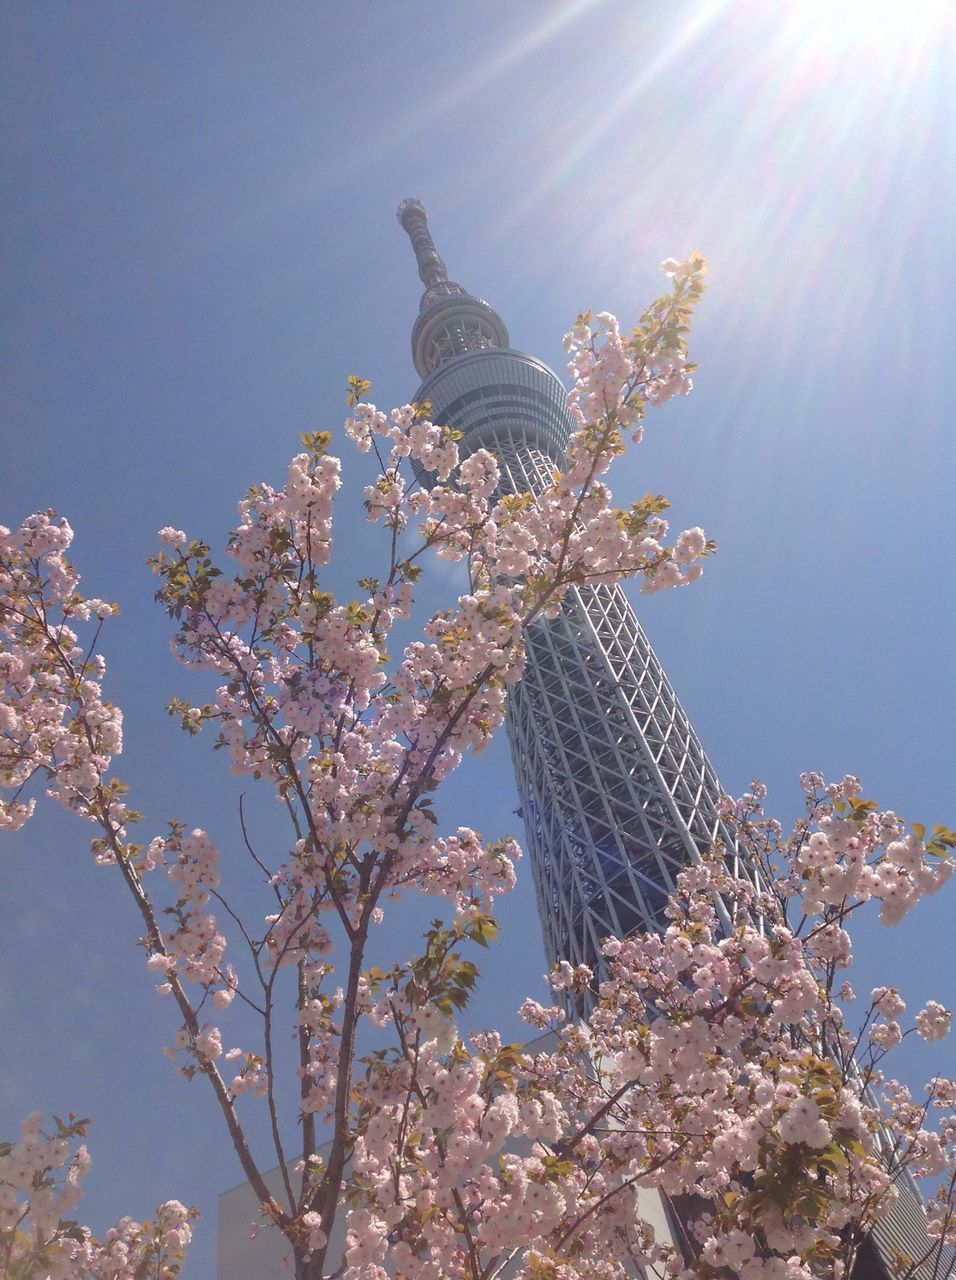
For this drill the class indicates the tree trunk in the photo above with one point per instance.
(308, 1268)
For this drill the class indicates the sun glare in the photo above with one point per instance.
(882, 15)
(887, 30)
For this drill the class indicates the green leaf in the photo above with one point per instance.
(357, 389)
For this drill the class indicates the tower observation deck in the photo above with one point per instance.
(616, 793)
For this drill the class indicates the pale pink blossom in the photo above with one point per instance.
(933, 1021)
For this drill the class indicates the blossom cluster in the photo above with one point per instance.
(54, 720)
(41, 1179)
(714, 1064)
(718, 1060)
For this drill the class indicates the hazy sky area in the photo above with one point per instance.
(199, 244)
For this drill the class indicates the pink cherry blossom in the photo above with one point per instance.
(933, 1021)
(718, 1059)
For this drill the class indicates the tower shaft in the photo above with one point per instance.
(616, 792)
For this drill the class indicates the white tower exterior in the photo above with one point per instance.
(616, 792)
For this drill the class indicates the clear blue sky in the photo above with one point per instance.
(199, 244)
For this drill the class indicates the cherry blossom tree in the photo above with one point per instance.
(721, 1064)
(41, 1179)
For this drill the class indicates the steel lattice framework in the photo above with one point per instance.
(616, 792)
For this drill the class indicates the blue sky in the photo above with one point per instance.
(199, 244)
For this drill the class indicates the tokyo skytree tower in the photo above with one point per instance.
(616, 793)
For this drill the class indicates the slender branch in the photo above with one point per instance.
(99, 810)
(269, 875)
(308, 1118)
(623, 1186)
(270, 1089)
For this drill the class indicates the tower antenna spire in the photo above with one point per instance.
(431, 268)
(451, 322)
